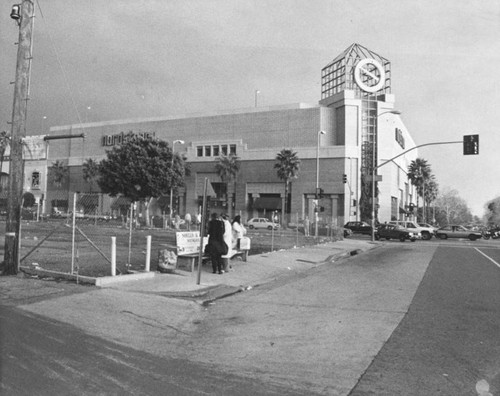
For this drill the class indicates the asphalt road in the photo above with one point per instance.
(43, 357)
(449, 341)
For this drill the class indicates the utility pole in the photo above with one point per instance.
(24, 15)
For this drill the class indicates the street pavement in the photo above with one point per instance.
(137, 313)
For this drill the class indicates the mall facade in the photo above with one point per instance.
(353, 129)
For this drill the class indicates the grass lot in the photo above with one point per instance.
(49, 245)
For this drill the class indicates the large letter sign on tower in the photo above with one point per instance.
(369, 75)
(471, 144)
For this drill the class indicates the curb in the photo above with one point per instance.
(100, 281)
(205, 296)
(212, 293)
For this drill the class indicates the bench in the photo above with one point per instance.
(188, 247)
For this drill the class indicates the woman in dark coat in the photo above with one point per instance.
(216, 246)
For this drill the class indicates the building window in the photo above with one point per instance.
(394, 208)
(35, 180)
(216, 150)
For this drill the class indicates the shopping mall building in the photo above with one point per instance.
(354, 128)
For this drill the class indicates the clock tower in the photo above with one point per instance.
(357, 86)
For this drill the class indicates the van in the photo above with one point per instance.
(426, 232)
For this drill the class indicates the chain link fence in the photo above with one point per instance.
(74, 234)
(76, 237)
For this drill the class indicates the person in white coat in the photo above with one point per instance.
(228, 240)
(239, 231)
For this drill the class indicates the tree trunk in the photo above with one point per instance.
(229, 201)
(285, 207)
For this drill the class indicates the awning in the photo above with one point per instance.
(402, 210)
(268, 203)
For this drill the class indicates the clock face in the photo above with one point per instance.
(369, 75)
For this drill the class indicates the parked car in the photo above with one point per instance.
(359, 227)
(262, 222)
(427, 225)
(347, 232)
(391, 231)
(57, 213)
(457, 231)
(426, 232)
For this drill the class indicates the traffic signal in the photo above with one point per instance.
(471, 144)
(319, 193)
(344, 178)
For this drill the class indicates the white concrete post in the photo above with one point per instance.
(148, 253)
(113, 256)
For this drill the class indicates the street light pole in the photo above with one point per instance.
(256, 93)
(317, 184)
(171, 189)
(374, 168)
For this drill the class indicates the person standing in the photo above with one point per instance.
(177, 221)
(239, 231)
(198, 221)
(228, 240)
(187, 219)
(307, 224)
(215, 247)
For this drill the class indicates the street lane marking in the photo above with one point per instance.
(488, 257)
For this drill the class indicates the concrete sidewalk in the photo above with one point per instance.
(367, 301)
(258, 269)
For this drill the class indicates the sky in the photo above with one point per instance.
(97, 60)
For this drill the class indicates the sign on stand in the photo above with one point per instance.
(188, 242)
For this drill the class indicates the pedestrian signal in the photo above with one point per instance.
(344, 178)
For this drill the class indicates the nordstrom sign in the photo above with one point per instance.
(122, 137)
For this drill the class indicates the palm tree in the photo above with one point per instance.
(287, 167)
(90, 171)
(59, 172)
(418, 172)
(430, 194)
(227, 167)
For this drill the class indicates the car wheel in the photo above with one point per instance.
(402, 238)
(472, 237)
(270, 228)
(426, 236)
(413, 239)
(443, 236)
(251, 227)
